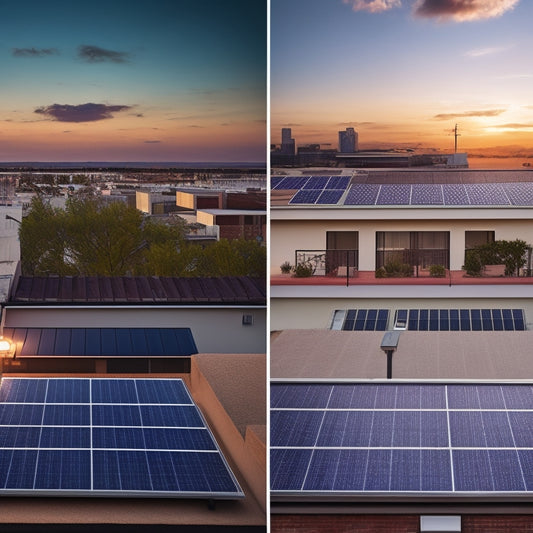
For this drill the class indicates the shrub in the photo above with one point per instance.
(381, 272)
(303, 270)
(437, 271)
(512, 254)
(396, 269)
(286, 268)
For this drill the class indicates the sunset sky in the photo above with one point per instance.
(133, 80)
(404, 72)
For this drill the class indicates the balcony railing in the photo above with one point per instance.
(342, 263)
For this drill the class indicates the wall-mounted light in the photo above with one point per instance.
(7, 348)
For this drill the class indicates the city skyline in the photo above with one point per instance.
(130, 81)
(403, 73)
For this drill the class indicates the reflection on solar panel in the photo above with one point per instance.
(423, 440)
(107, 437)
(102, 342)
(460, 319)
(361, 320)
(451, 194)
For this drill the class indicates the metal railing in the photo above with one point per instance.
(419, 259)
(334, 263)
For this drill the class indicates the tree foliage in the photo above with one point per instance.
(94, 238)
(512, 254)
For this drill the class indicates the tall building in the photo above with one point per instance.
(348, 142)
(287, 142)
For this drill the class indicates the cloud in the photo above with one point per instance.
(373, 6)
(80, 113)
(484, 113)
(514, 126)
(479, 52)
(95, 54)
(151, 142)
(34, 52)
(462, 10)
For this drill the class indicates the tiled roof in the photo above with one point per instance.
(140, 290)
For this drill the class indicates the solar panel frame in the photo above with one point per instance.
(87, 437)
(476, 441)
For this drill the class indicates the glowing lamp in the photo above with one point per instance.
(5, 347)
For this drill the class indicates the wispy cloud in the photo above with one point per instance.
(373, 6)
(80, 113)
(514, 126)
(490, 50)
(34, 52)
(482, 113)
(462, 10)
(151, 142)
(95, 54)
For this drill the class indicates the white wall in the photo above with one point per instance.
(214, 330)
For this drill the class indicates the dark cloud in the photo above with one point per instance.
(95, 54)
(34, 52)
(80, 113)
(152, 142)
(462, 10)
(485, 113)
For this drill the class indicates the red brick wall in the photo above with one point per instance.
(344, 523)
(497, 523)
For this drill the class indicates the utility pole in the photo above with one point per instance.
(456, 135)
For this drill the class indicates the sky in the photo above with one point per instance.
(133, 80)
(403, 73)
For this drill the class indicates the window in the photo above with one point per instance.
(477, 238)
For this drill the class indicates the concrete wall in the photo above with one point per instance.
(290, 235)
(214, 330)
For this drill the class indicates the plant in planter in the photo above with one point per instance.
(286, 268)
(437, 271)
(303, 270)
(396, 269)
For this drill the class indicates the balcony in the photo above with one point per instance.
(331, 263)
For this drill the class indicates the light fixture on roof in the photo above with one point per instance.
(7, 348)
(389, 344)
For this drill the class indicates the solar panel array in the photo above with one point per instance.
(313, 189)
(460, 319)
(451, 194)
(362, 319)
(423, 440)
(107, 437)
(102, 342)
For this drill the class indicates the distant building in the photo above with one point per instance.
(287, 142)
(348, 141)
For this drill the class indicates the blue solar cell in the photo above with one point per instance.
(394, 194)
(408, 397)
(114, 391)
(382, 427)
(362, 194)
(168, 416)
(412, 323)
(67, 415)
(348, 325)
(406, 429)
(426, 194)
(316, 182)
(466, 429)
(109, 343)
(519, 193)
(116, 415)
(454, 320)
(486, 194)
(329, 197)
(22, 390)
(93, 345)
(497, 319)
(322, 470)
(77, 341)
(21, 414)
(522, 428)
(517, 396)
(162, 391)
(300, 396)
(434, 324)
(526, 462)
(275, 181)
(63, 469)
(138, 342)
(434, 429)
(486, 319)
(347, 396)
(19, 466)
(338, 182)
(110, 437)
(378, 470)
(19, 437)
(435, 471)
(405, 470)
(359, 324)
(506, 471)
(464, 315)
(386, 397)
(423, 320)
(295, 428)
(519, 322)
(31, 343)
(497, 429)
(463, 397)
(382, 320)
(68, 391)
(64, 437)
(305, 196)
(345, 428)
(178, 439)
(371, 317)
(47, 342)
(471, 470)
(508, 323)
(455, 194)
(288, 468)
(475, 317)
(444, 320)
(351, 470)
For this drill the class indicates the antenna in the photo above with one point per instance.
(456, 135)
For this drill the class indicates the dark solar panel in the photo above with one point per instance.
(409, 439)
(107, 437)
(305, 196)
(331, 196)
(366, 320)
(519, 193)
(486, 194)
(426, 194)
(316, 182)
(338, 182)
(362, 194)
(394, 194)
(455, 194)
(460, 319)
(102, 342)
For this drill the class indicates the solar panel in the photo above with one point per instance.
(330, 196)
(102, 342)
(362, 194)
(316, 182)
(305, 196)
(394, 194)
(365, 320)
(108, 437)
(389, 439)
(460, 319)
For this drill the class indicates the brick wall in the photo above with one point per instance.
(344, 523)
(497, 523)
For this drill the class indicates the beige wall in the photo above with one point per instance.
(214, 330)
(185, 200)
(290, 235)
(317, 313)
